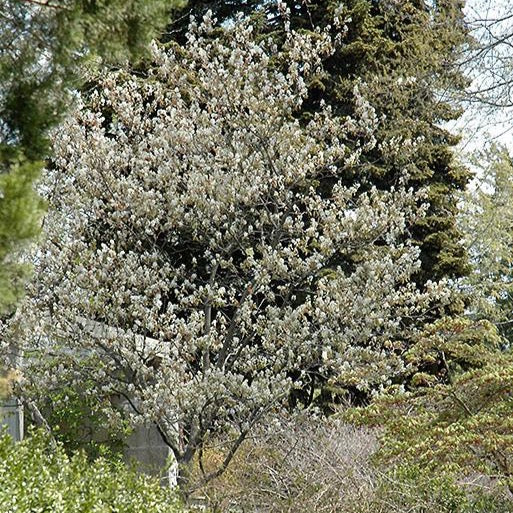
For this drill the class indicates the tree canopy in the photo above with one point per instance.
(405, 57)
(204, 272)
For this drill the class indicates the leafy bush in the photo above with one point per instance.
(78, 422)
(460, 421)
(38, 477)
(416, 489)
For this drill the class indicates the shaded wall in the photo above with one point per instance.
(11, 415)
(145, 449)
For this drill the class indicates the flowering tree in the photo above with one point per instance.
(202, 257)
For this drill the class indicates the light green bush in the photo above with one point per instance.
(38, 477)
(415, 489)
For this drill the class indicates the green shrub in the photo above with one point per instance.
(38, 477)
(78, 422)
(415, 489)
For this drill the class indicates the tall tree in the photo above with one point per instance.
(402, 56)
(487, 222)
(194, 263)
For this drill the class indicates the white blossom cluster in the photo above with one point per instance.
(202, 256)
